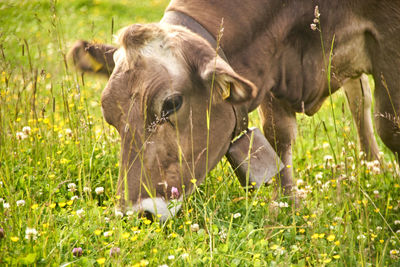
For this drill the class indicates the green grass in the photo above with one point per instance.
(349, 216)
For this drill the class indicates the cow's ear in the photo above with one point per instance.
(230, 85)
(95, 58)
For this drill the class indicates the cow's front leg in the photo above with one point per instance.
(279, 124)
(358, 93)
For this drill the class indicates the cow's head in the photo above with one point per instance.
(170, 98)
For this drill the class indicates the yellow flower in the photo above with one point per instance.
(315, 236)
(97, 232)
(101, 261)
(52, 205)
(301, 231)
(336, 257)
(62, 204)
(134, 238)
(147, 221)
(173, 235)
(337, 243)
(34, 206)
(381, 241)
(193, 181)
(327, 260)
(69, 203)
(377, 210)
(321, 235)
(125, 235)
(331, 238)
(14, 239)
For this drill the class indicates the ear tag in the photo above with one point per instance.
(96, 66)
(226, 92)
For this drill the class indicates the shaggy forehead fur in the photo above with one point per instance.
(162, 42)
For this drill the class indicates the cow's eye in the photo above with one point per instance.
(171, 104)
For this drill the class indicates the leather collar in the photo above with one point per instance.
(181, 19)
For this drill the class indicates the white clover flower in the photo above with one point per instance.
(118, 214)
(68, 132)
(20, 203)
(194, 227)
(80, 213)
(171, 257)
(26, 130)
(184, 255)
(74, 198)
(376, 192)
(87, 189)
(106, 219)
(396, 222)
(129, 213)
(71, 187)
(99, 190)
(328, 158)
(6, 205)
(108, 233)
(324, 144)
(21, 136)
(379, 228)
(299, 182)
(236, 215)
(30, 233)
(361, 237)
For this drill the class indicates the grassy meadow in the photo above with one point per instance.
(59, 168)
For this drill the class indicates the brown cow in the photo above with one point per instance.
(166, 80)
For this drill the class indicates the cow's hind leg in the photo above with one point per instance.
(358, 93)
(279, 124)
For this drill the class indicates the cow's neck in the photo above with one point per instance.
(252, 31)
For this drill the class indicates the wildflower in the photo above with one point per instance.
(14, 239)
(26, 130)
(184, 255)
(77, 252)
(68, 132)
(330, 238)
(74, 198)
(114, 251)
(101, 261)
(396, 222)
(316, 12)
(299, 182)
(108, 233)
(21, 136)
(31, 233)
(174, 193)
(129, 213)
(394, 254)
(171, 257)
(20, 203)
(163, 265)
(361, 237)
(118, 214)
(87, 189)
(71, 187)
(99, 190)
(194, 227)
(2, 234)
(313, 26)
(97, 232)
(80, 213)
(236, 215)
(6, 205)
(279, 204)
